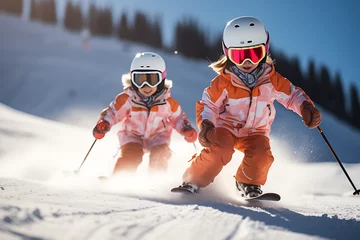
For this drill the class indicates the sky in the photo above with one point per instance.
(52, 91)
(324, 30)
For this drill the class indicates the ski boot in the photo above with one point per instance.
(186, 187)
(248, 190)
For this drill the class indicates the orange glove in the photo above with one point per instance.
(190, 135)
(207, 135)
(101, 128)
(311, 116)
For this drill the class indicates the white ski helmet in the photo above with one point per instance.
(148, 61)
(245, 32)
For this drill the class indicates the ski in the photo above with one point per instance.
(265, 197)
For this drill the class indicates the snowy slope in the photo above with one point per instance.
(78, 84)
(44, 72)
(38, 203)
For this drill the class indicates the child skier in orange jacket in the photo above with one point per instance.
(236, 110)
(147, 114)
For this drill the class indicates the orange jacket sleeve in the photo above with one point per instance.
(212, 100)
(178, 118)
(117, 109)
(288, 94)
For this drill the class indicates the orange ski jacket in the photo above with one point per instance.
(230, 104)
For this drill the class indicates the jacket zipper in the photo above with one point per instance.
(247, 118)
(149, 109)
(249, 104)
(251, 97)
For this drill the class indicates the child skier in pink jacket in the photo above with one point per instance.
(147, 114)
(236, 110)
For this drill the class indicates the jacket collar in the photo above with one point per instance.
(159, 100)
(269, 70)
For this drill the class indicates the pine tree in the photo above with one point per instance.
(34, 10)
(69, 16)
(296, 76)
(73, 17)
(355, 107)
(103, 22)
(191, 40)
(142, 30)
(12, 6)
(326, 99)
(93, 20)
(156, 34)
(123, 31)
(312, 82)
(215, 51)
(48, 11)
(78, 18)
(106, 22)
(339, 105)
(283, 65)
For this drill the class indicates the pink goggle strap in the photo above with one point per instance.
(164, 74)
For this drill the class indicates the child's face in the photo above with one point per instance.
(247, 67)
(147, 91)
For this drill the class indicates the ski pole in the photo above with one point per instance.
(86, 156)
(357, 191)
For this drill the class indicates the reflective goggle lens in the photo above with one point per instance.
(140, 79)
(253, 54)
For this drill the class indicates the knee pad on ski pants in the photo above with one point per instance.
(130, 158)
(159, 157)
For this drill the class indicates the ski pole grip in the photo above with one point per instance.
(357, 192)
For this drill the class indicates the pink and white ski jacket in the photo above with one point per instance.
(149, 127)
(230, 104)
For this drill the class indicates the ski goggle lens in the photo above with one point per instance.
(140, 79)
(253, 54)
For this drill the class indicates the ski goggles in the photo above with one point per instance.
(239, 55)
(151, 79)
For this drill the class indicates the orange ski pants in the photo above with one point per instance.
(253, 169)
(132, 154)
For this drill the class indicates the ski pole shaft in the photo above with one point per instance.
(86, 155)
(195, 146)
(357, 191)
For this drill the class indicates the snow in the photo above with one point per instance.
(50, 96)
